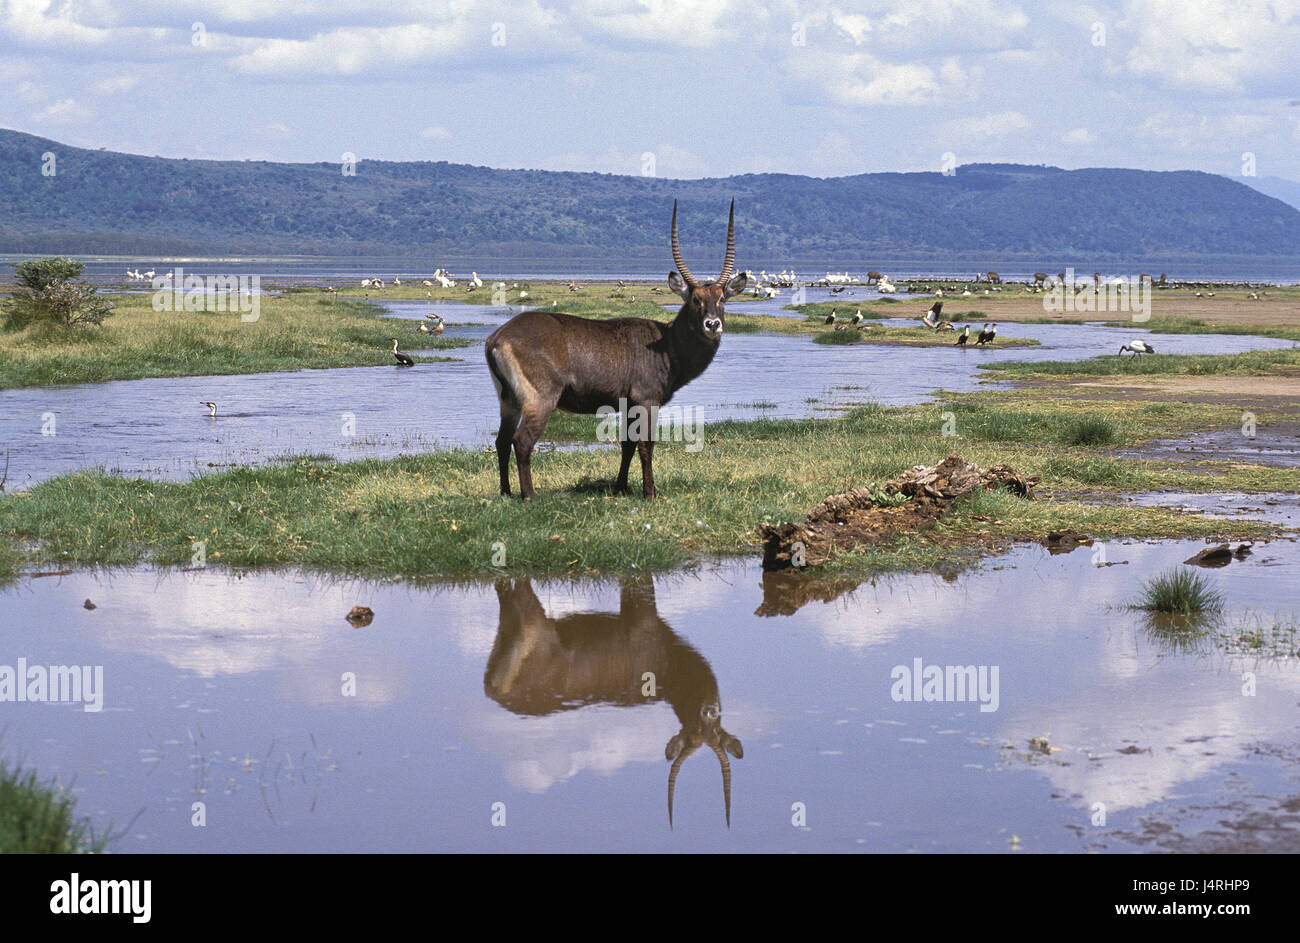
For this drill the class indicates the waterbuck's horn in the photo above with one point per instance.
(729, 262)
(677, 258)
(672, 779)
(726, 778)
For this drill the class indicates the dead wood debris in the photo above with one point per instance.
(853, 517)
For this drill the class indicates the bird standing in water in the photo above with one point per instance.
(403, 359)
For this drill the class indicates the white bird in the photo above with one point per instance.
(1137, 348)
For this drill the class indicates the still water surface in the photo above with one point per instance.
(227, 688)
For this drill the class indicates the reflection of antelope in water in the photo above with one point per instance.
(541, 665)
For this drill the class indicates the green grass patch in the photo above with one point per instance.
(301, 331)
(1182, 592)
(1177, 325)
(40, 818)
(1250, 363)
(440, 514)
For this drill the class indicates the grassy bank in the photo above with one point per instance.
(439, 513)
(39, 818)
(296, 332)
(1250, 363)
(1177, 325)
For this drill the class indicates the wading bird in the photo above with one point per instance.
(1137, 348)
(542, 361)
(403, 359)
(212, 409)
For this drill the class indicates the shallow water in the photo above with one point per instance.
(1275, 508)
(226, 688)
(291, 269)
(156, 427)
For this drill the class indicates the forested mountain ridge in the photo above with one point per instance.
(105, 202)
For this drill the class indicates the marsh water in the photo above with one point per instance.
(380, 412)
(535, 715)
(516, 715)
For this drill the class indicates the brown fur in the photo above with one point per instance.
(543, 361)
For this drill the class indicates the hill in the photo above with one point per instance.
(106, 202)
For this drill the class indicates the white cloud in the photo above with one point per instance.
(115, 84)
(435, 133)
(63, 111)
(29, 92)
(1078, 137)
(861, 79)
(675, 22)
(1190, 131)
(1215, 45)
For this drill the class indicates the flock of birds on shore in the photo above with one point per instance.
(768, 285)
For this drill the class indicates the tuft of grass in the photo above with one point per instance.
(1181, 592)
(837, 337)
(39, 818)
(1091, 431)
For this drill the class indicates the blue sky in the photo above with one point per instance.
(708, 87)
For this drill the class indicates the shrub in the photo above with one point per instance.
(47, 294)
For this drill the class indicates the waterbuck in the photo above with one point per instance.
(543, 361)
(541, 665)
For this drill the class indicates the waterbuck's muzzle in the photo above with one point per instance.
(713, 328)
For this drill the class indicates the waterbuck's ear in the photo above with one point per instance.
(678, 284)
(734, 748)
(736, 285)
(674, 747)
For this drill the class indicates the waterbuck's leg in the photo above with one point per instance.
(629, 447)
(646, 448)
(505, 438)
(530, 430)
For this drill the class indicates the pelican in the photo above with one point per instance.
(403, 360)
(963, 336)
(931, 317)
(396, 281)
(1137, 348)
(212, 409)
